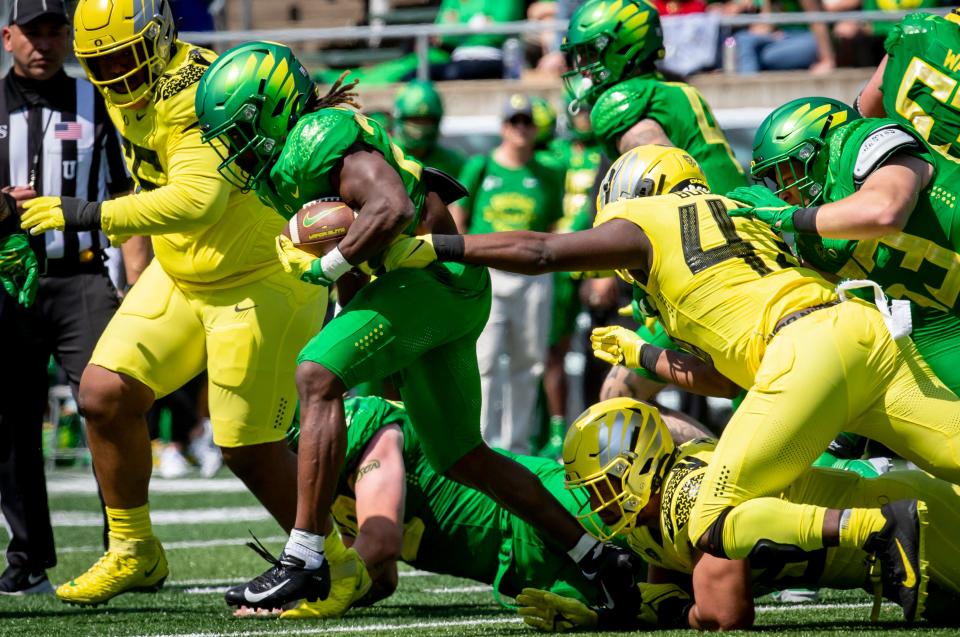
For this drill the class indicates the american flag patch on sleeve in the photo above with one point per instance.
(67, 131)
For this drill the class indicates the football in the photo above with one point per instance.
(319, 225)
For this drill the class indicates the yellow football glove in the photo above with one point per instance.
(592, 274)
(664, 605)
(349, 582)
(41, 214)
(552, 613)
(300, 264)
(410, 252)
(59, 213)
(617, 345)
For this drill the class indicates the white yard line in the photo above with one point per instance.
(184, 544)
(167, 517)
(459, 589)
(365, 628)
(85, 485)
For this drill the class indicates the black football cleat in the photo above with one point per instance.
(616, 571)
(285, 582)
(899, 549)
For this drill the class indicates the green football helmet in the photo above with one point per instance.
(794, 134)
(247, 102)
(607, 42)
(417, 112)
(545, 119)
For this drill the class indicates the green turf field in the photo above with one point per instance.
(204, 525)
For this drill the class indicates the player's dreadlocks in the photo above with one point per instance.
(338, 94)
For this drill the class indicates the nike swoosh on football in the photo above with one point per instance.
(309, 219)
(152, 569)
(910, 579)
(257, 597)
(237, 308)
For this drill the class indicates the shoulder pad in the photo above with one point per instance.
(187, 74)
(679, 492)
(878, 147)
(620, 107)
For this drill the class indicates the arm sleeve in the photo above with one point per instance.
(195, 195)
(470, 177)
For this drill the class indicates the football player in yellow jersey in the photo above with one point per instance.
(643, 488)
(814, 366)
(215, 297)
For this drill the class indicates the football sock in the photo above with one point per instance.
(857, 525)
(306, 546)
(130, 524)
(772, 521)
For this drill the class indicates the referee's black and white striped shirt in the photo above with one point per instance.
(56, 136)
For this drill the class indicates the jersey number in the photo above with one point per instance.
(698, 259)
(707, 123)
(943, 88)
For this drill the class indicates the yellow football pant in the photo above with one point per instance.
(836, 369)
(836, 489)
(247, 337)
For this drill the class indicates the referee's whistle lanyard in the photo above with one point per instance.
(35, 161)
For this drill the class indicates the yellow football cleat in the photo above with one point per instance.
(349, 582)
(127, 566)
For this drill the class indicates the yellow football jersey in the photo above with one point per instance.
(205, 232)
(719, 284)
(669, 546)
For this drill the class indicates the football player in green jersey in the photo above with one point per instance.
(917, 82)
(867, 199)
(643, 488)
(391, 505)
(257, 106)
(417, 112)
(614, 46)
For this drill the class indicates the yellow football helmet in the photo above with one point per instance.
(619, 450)
(650, 170)
(124, 46)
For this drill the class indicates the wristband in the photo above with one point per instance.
(449, 247)
(334, 265)
(805, 220)
(649, 355)
(583, 546)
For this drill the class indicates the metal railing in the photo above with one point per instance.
(422, 33)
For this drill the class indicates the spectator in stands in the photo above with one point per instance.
(861, 43)
(479, 55)
(56, 140)
(512, 190)
(763, 47)
(417, 112)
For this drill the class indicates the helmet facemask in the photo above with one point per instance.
(127, 71)
(793, 173)
(246, 155)
(608, 495)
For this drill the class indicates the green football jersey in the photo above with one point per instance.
(451, 528)
(446, 159)
(921, 80)
(501, 198)
(315, 146)
(582, 163)
(683, 114)
(921, 262)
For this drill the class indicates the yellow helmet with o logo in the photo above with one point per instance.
(619, 450)
(648, 171)
(124, 46)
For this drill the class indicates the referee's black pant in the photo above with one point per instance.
(65, 321)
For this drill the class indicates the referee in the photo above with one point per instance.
(55, 139)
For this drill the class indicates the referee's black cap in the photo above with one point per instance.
(24, 11)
